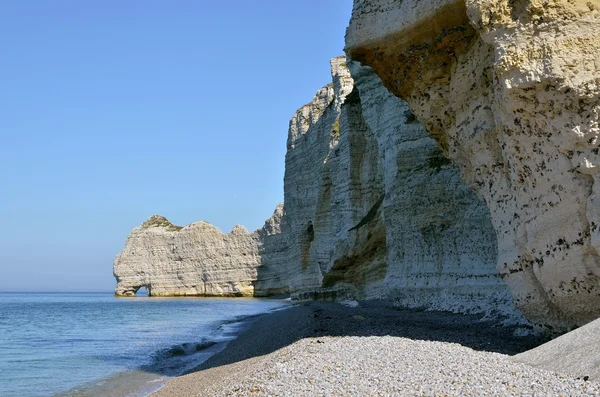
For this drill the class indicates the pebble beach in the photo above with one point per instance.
(375, 349)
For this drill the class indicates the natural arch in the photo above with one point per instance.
(142, 291)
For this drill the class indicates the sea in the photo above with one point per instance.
(95, 344)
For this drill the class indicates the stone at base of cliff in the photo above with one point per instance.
(576, 353)
(244, 293)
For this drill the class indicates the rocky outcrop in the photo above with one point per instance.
(511, 93)
(199, 260)
(375, 210)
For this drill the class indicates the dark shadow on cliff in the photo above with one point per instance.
(320, 319)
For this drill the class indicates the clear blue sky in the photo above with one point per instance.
(111, 111)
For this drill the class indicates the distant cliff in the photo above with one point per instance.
(199, 260)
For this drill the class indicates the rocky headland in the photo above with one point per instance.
(372, 209)
(450, 165)
(200, 260)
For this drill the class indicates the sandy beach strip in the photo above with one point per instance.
(327, 349)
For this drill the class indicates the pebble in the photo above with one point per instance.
(395, 366)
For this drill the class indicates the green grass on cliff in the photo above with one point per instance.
(335, 128)
(160, 221)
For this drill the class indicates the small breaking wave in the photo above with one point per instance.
(177, 359)
(149, 375)
(184, 349)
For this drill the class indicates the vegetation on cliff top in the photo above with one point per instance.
(160, 221)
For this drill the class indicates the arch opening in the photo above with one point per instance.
(142, 292)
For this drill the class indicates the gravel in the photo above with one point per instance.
(332, 350)
(389, 366)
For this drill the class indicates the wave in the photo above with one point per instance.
(183, 349)
(176, 359)
(167, 362)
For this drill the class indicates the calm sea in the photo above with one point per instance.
(94, 344)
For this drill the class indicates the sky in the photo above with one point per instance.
(112, 111)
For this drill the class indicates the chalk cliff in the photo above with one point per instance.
(375, 210)
(372, 210)
(511, 93)
(198, 260)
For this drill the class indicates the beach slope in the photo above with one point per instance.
(373, 349)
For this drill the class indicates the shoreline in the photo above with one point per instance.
(322, 348)
(168, 362)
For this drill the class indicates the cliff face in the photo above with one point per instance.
(441, 243)
(511, 93)
(372, 210)
(332, 181)
(376, 210)
(502, 99)
(198, 260)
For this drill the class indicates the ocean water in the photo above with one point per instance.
(93, 344)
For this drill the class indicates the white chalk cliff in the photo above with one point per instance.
(510, 90)
(198, 260)
(452, 165)
(372, 210)
(375, 210)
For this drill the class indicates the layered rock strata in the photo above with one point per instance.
(332, 180)
(199, 260)
(511, 93)
(375, 210)
(372, 210)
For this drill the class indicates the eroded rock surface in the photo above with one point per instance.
(199, 260)
(375, 210)
(372, 210)
(510, 91)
